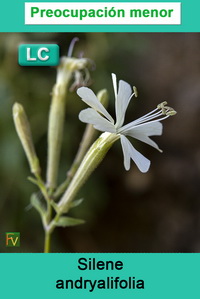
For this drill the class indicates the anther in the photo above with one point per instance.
(135, 91)
(171, 112)
(162, 105)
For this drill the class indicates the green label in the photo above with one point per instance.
(12, 239)
(38, 55)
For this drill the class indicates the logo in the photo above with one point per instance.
(13, 239)
(38, 55)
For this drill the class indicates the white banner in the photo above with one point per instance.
(102, 13)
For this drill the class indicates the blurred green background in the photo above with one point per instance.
(124, 211)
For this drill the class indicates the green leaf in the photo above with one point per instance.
(37, 204)
(33, 180)
(76, 203)
(68, 221)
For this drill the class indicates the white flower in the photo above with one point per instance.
(141, 128)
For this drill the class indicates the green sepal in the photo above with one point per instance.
(37, 204)
(68, 221)
(71, 205)
(76, 203)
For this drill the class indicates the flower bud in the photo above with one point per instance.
(102, 95)
(23, 130)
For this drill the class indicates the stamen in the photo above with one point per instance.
(166, 110)
(171, 112)
(141, 121)
(71, 46)
(135, 91)
(131, 97)
(155, 120)
(145, 118)
(148, 113)
(162, 105)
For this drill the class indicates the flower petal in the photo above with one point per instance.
(150, 129)
(114, 79)
(149, 122)
(90, 98)
(131, 153)
(122, 101)
(145, 139)
(91, 116)
(142, 133)
(125, 149)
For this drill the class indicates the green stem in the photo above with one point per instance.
(47, 242)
